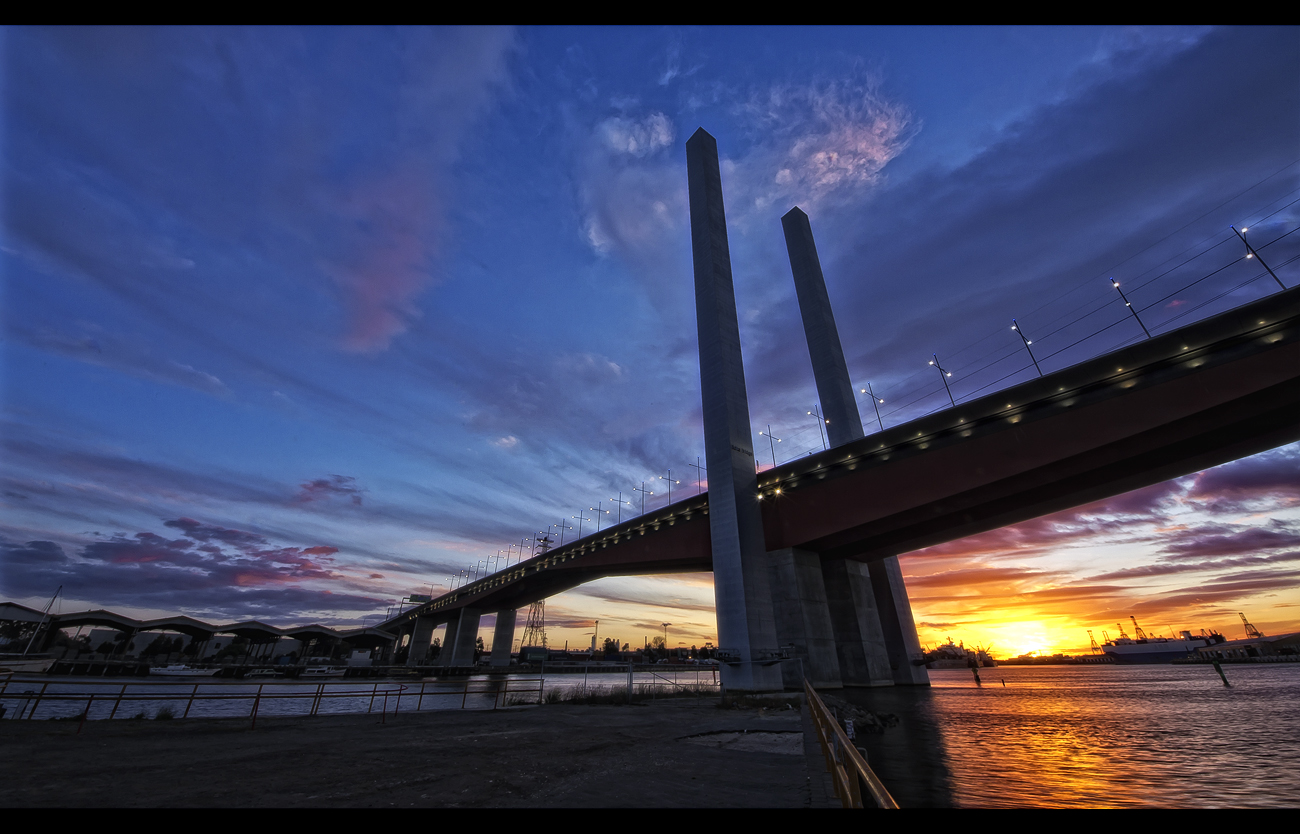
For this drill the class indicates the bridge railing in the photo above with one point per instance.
(853, 778)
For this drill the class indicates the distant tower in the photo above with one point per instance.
(535, 630)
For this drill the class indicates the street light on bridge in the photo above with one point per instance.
(770, 444)
(699, 475)
(1016, 327)
(1251, 253)
(875, 403)
(821, 428)
(620, 503)
(644, 492)
(944, 376)
(598, 510)
(1130, 307)
(581, 518)
(670, 481)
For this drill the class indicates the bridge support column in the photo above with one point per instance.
(448, 640)
(859, 638)
(503, 637)
(803, 619)
(896, 621)
(462, 651)
(747, 644)
(421, 636)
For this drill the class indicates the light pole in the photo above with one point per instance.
(670, 481)
(581, 518)
(770, 444)
(1016, 327)
(875, 403)
(598, 511)
(644, 492)
(944, 376)
(821, 429)
(1251, 253)
(1130, 307)
(620, 503)
(699, 475)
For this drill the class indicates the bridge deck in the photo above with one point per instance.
(1210, 392)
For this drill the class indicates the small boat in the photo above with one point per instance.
(180, 670)
(323, 672)
(266, 672)
(30, 664)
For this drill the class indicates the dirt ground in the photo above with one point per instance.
(660, 755)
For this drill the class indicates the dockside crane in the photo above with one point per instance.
(1137, 629)
(1093, 640)
(1252, 633)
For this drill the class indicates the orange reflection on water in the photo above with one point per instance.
(1104, 737)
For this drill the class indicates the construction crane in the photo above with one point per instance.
(1252, 633)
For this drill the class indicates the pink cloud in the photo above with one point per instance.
(390, 237)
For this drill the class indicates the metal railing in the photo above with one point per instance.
(30, 700)
(853, 778)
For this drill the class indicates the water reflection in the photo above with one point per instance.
(1082, 736)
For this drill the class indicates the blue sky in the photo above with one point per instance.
(299, 321)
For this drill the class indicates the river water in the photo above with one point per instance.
(121, 698)
(1091, 737)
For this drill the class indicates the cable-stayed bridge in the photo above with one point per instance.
(806, 576)
(1221, 389)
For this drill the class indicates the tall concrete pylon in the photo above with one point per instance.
(746, 628)
(831, 373)
(875, 633)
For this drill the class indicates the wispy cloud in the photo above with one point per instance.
(824, 140)
(335, 486)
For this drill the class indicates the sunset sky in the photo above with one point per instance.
(300, 321)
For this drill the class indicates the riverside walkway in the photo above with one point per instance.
(670, 754)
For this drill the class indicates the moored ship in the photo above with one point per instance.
(1127, 650)
(957, 656)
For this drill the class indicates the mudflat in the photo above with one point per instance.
(661, 755)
